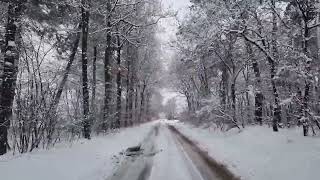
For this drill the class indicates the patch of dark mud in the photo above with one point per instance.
(134, 151)
(219, 169)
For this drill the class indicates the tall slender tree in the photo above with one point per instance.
(11, 57)
(94, 82)
(119, 85)
(85, 92)
(107, 72)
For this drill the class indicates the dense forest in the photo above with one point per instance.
(73, 68)
(250, 62)
(159, 89)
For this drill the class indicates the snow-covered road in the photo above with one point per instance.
(172, 162)
(167, 155)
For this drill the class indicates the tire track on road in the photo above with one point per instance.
(209, 168)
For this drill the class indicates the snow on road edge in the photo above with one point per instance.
(257, 153)
(94, 159)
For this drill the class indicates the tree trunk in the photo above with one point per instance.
(132, 83)
(54, 104)
(148, 115)
(75, 46)
(127, 93)
(142, 102)
(136, 99)
(224, 89)
(94, 82)
(277, 107)
(11, 57)
(107, 76)
(258, 94)
(205, 90)
(108, 89)
(130, 102)
(233, 100)
(308, 81)
(189, 102)
(119, 87)
(85, 91)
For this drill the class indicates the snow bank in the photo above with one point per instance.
(257, 153)
(84, 160)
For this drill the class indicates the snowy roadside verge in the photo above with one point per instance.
(257, 153)
(92, 159)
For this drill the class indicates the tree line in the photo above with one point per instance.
(73, 68)
(246, 62)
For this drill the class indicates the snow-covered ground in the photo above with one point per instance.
(94, 159)
(257, 153)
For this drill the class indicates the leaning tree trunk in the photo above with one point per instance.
(11, 57)
(85, 91)
(54, 104)
(56, 99)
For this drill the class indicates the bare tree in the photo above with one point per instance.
(11, 56)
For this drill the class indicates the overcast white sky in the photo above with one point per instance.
(179, 5)
(168, 26)
(167, 30)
